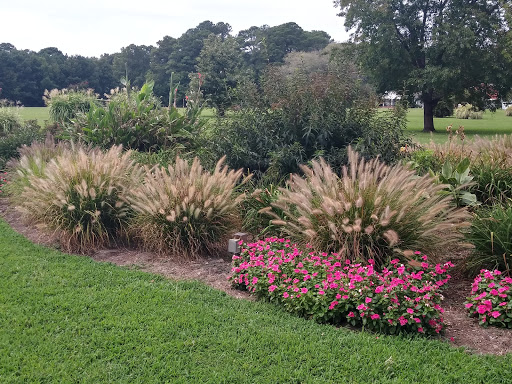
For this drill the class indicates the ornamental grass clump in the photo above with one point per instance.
(184, 210)
(81, 196)
(398, 298)
(369, 212)
(491, 299)
(32, 161)
(491, 234)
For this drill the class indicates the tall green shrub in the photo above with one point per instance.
(301, 116)
(136, 120)
(65, 104)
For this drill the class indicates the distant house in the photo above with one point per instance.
(389, 99)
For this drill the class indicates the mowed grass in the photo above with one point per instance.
(67, 319)
(35, 113)
(490, 125)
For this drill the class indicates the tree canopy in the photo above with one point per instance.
(435, 48)
(25, 74)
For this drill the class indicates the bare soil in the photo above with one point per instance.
(461, 331)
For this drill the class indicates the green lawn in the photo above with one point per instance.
(491, 124)
(68, 319)
(35, 113)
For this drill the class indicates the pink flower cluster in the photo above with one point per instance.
(327, 288)
(491, 299)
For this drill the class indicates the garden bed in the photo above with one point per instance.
(462, 331)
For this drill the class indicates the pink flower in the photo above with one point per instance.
(375, 317)
(361, 307)
(495, 314)
(420, 330)
(482, 309)
(321, 292)
(333, 304)
(379, 289)
(272, 288)
(401, 270)
(502, 304)
(410, 311)
(468, 305)
(492, 285)
(402, 320)
(344, 297)
(254, 280)
(304, 290)
(286, 295)
(351, 314)
(368, 300)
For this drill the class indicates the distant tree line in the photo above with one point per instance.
(25, 74)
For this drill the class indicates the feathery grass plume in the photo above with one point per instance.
(183, 210)
(32, 162)
(80, 195)
(369, 211)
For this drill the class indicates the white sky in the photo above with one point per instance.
(93, 27)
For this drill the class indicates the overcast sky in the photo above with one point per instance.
(93, 27)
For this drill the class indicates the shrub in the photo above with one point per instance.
(491, 234)
(299, 117)
(27, 133)
(467, 111)
(508, 111)
(444, 108)
(183, 210)
(65, 104)
(136, 120)
(81, 195)
(369, 211)
(491, 299)
(10, 120)
(327, 288)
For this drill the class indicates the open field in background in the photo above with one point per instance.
(35, 113)
(67, 318)
(491, 124)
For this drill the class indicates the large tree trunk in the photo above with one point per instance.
(428, 113)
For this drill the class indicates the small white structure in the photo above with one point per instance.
(389, 99)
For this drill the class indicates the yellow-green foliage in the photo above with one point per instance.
(369, 211)
(81, 195)
(508, 111)
(65, 104)
(468, 112)
(183, 210)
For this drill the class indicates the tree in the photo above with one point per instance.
(222, 65)
(437, 48)
(135, 59)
